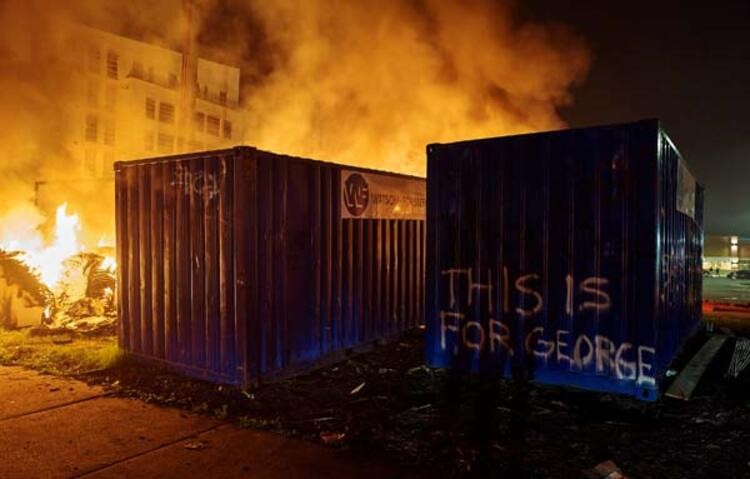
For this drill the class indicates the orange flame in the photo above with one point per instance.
(47, 260)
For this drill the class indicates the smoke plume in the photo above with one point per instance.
(39, 94)
(363, 82)
(32, 86)
(372, 82)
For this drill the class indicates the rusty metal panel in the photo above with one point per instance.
(241, 265)
(572, 257)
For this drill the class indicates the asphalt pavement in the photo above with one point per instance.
(725, 290)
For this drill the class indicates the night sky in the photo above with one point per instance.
(688, 65)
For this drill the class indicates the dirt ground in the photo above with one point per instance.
(386, 403)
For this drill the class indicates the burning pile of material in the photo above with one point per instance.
(22, 295)
(84, 296)
(364, 83)
(57, 286)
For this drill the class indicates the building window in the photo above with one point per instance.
(108, 166)
(212, 125)
(110, 98)
(93, 58)
(166, 113)
(200, 121)
(149, 141)
(109, 132)
(166, 143)
(92, 93)
(223, 97)
(150, 108)
(92, 128)
(227, 129)
(112, 61)
(137, 70)
(89, 163)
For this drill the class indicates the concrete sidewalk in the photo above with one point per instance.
(54, 427)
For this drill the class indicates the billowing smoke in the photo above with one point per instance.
(39, 94)
(372, 82)
(366, 82)
(30, 138)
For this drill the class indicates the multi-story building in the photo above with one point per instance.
(723, 254)
(124, 99)
(135, 100)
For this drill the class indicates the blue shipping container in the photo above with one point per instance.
(571, 256)
(240, 266)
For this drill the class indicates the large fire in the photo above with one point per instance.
(66, 284)
(366, 83)
(47, 260)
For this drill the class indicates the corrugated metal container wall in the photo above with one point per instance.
(571, 256)
(241, 265)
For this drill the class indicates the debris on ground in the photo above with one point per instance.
(332, 438)
(62, 339)
(196, 445)
(83, 300)
(740, 358)
(23, 296)
(605, 470)
(447, 425)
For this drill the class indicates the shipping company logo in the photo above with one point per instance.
(356, 194)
